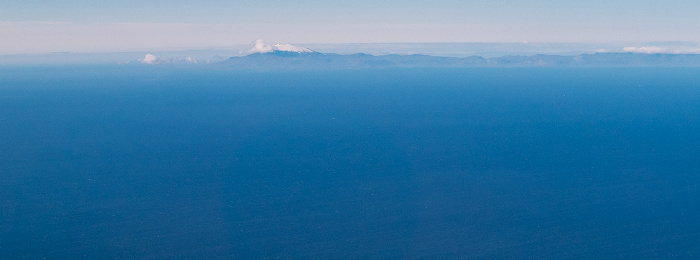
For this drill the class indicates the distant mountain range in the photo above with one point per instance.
(279, 59)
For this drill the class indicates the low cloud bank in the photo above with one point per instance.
(153, 59)
(657, 50)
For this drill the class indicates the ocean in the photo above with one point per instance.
(142, 162)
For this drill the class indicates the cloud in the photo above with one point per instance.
(645, 49)
(150, 59)
(153, 59)
(261, 47)
(656, 49)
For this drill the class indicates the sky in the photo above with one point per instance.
(31, 26)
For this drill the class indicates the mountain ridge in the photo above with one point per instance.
(278, 59)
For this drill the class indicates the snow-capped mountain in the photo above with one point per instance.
(262, 47)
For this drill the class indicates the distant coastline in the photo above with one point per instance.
(279, 59)
(299, 60)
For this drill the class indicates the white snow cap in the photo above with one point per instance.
(290, 48)
(262, 47)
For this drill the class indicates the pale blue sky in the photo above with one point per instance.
(103, 25)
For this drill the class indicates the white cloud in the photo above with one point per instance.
(150, 59)
(656, 49)
(261, 47)
(645, 49)
(153, 59)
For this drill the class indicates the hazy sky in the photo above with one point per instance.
(29, 26)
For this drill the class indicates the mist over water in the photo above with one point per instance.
(147, 162)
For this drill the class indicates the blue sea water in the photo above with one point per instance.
(146, 162)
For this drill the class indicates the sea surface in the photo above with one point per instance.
(148, 162)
